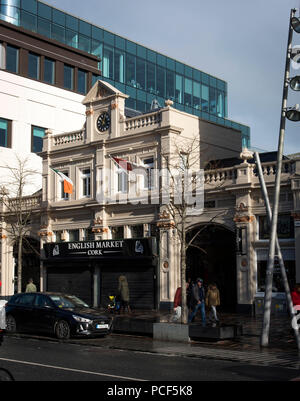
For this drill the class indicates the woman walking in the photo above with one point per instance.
(212, 301)
(123, 291)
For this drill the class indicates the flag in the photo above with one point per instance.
(68, 183)
(128, 166)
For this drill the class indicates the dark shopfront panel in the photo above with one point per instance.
(71, 279)
(90, 270)
(141, 283)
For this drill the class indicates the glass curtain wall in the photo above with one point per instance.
(141, 73)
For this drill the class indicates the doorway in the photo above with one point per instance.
(214, 260)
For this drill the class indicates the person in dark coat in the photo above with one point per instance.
(178, 303)
(123, 291)
(199, 299)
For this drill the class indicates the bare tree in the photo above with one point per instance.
(185, 183)
(17, 207)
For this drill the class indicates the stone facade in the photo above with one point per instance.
(233, 199)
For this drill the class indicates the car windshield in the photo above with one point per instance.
(69, 301)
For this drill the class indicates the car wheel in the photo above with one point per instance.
(62, 330)
(11, 325)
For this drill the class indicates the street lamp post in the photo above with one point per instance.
(271, 255)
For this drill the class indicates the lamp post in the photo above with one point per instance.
(270, 266)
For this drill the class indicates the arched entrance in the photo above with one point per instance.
(30, 262)
(216, 262)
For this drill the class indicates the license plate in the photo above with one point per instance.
(102, 326)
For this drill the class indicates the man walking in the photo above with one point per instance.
(199, 299)
(30, 286)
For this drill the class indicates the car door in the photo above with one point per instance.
(44, 314)
(24, 311)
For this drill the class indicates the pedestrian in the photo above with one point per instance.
(123, 291)
(177, 306)
(30, 286)
(296, 296)
(212, 300)
(199, 300)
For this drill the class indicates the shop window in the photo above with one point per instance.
(117, 232)
(37, 135)
(12, 59)
(5, 133)
(49, 71)
(33, 66)
(277, 285)
(285, 227)
(68, 77)
(86, 182)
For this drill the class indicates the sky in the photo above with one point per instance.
(243, 42)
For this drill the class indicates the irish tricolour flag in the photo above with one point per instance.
(68, 183)
(128, 166)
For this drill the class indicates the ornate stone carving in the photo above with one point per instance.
(246, 155)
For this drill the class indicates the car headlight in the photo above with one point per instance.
(81, 319)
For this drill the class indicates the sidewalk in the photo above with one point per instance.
(282, 350)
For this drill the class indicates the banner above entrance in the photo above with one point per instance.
(99, 249)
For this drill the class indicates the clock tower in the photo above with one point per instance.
(105, 106)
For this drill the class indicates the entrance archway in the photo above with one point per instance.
(216, 262)
(30, 262)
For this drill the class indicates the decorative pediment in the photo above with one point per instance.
(101, 90)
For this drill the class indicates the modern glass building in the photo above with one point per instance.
(140, 72)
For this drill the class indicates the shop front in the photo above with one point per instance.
(91, 270)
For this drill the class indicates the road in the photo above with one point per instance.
(39, 360)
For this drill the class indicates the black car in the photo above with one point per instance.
(54, 313)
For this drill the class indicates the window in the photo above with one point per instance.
(196, 95)
(117, 232)
(33, 66)
(68, 77)
(58, 236)
(187, 92)
(82, 82)
(62, 193)
(151, 78)
(122, 180)
(86, 182)
(149, 175)
(170, 85)
(160, 81)
(5, 133)
(178, 89)
(12, 59)
(205, 97)
(88, 234)
(119, 66)
(137, 231)
(130, 70)
(37, 135)
(108, 62)
(49, 71)
(277, 285)
(140, 73)
(73, 235)
(285, 227)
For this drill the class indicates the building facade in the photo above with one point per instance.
(87, 242)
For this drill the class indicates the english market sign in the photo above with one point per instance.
(101, 248)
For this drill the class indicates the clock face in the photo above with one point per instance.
(103, 122)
